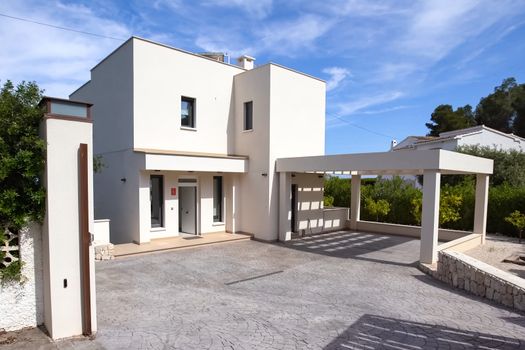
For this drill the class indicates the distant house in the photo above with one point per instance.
(478, 135)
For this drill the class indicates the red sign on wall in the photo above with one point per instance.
(174, 191)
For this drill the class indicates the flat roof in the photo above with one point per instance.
(403, 162)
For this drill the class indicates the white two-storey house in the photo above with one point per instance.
(189, 143)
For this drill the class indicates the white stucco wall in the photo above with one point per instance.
(21, 304)
(288, 120)
(161, 77)
(297, 128)
(484, 137)
(111, 92)
(491, 139)
(310, 202)
(254, 206)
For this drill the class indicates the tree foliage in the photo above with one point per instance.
(21, 155)
(497, 109)
(509, 166)
(445, 118)
(503, 110)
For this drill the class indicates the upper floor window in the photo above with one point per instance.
(187, 112)
(248, 115)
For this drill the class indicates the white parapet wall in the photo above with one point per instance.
(101, 232)
(104, 250)
(445, 235)
(21, 303)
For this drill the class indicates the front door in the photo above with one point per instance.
(188, 210)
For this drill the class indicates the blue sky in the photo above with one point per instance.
(387, 64)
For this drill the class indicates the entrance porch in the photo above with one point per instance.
(187, 194)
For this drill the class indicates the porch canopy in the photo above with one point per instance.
(191, 161)
(429, 163)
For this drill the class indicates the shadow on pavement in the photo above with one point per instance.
(377, 332)
(384, 249)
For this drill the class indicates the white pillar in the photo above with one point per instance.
(480, 208)
(62, 265)
(355, 205)
(234, 204)
(285, 207)
(430, 217)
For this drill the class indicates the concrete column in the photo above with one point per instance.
(430, 217)
(63, 271)
(233, 228)
(285, 206)
(480, 208)
(355, 205)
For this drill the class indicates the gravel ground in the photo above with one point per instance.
(498, 248)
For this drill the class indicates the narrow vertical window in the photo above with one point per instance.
(187, 112)
(248, 115)
(157, 200)
(217, 199)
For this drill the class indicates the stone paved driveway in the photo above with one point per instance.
(336, 291)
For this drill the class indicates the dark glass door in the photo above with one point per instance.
(156, 194)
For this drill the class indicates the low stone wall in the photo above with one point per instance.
(104, 251)
(464, 272)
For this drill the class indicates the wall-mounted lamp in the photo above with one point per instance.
(293, 175)
(123, 179)
(264, 174)
(320, 176)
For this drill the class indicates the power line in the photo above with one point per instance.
(61, 28)
(363, 128)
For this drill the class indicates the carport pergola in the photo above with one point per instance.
(429, 163)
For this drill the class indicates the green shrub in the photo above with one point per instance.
(22, 159)
(328, 201)
(12, 273)
(378, 209)
(457, 202)
(517, 219)
(398, 193)
(339, 189)
(21, 156)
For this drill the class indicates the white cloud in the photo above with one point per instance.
(337, 75)
(59, 61)
(256, 8)
(288, 37)
(358, 104)
(439, 26)
(284, 38)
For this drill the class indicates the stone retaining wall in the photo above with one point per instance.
(464, 272)
(104, 252)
